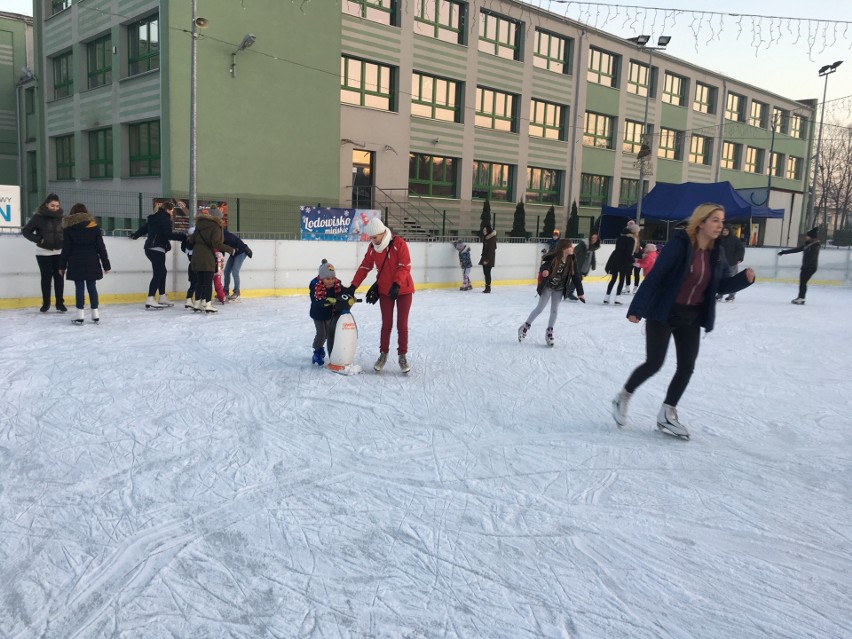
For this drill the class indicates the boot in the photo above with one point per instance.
(198, 305)
(798, 301)
(626, 291)
(668, 422)
(548, 336)
(61, 307)
(619, 407)
(319, 356)
(45, 307)
(188, 303)
(606, 299)
(617, 300)
(522, 331)
(234, 297)
(380, 363)
(152, 305)
(487, 289)
(78, 317)
(209, 308)
(730, 298)
(164, 301)
(403, 363)
(96, 315)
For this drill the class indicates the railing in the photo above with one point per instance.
(409, 213)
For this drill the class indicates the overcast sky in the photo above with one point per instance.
(785, 67)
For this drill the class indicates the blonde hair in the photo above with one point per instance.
(698, 217)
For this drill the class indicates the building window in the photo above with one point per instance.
(753, 160)
(632, 142)
(64, 150)
(440, 19)
(59, 5)
(797, 127)
(493, 181)
(100, 154)
(780, 120)
(732, 156)
(435, 98)
(603, 68)
(368, 84)
(143, 40)
(794, 168)
(144, 139)
(775, 168)
(671, 144)
(629, 193)
(547, 120)
(544, 186)
(705, 98)
(594, 189)
(734, 106)
(638, 78)
(597, 130)
(496, 110)
(32, 172)
(552, 52)
(99, 62)
(674, 89)
(29, 111)
(499, 35)
(700, 149)
(63, 76)
(758, 115)
(431, 175)
(383, 11)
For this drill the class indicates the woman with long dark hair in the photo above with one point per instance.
(45, 230)
(158, 229)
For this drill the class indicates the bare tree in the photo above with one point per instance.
(834, 192)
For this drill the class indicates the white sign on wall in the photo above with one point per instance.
(10, 205)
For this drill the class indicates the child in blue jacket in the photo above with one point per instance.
(322, 287)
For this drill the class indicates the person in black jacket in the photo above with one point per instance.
(83, 254)
(45, 230)
(620, 262)
(584, 256)
(810, 262)
(557, 268)
(734, 254)
(158, 229)
(676, 299)
(234, 264)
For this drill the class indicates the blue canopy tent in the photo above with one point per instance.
(676, 202)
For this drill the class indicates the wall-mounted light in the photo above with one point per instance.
(248, 40)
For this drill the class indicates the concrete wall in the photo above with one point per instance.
(286, 267)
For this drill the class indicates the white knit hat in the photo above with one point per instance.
(375, 227)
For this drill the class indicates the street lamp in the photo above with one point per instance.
(641, 42)
(197, 23)
(248, 40)
(825, 71)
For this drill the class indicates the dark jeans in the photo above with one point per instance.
(687, 340)
(804, 275)
(193, 282)
(621, 277)
(486, 271)
(158, 279)
(48, 266)
(204, 285)
(81, 286)
(636, 271)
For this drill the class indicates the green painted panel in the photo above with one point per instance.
(552, 87)
(669, 171)
(499, 73)
(674, 117)
(601, 99)
(598, 161)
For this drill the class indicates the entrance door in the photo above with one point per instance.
(362, 179)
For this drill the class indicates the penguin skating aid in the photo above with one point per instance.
(343, 340)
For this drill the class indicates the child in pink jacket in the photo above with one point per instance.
(646, 262)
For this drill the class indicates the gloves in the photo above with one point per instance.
(393, 293)
(349, 290)
(248, 252)
(780, 252)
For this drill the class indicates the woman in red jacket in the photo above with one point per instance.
(389, 255)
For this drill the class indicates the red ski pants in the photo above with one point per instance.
(403, 306)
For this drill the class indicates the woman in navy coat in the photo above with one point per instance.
(676, 299)
(83, 255)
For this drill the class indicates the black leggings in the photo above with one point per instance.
(804, 275)
(621, 277)
(636, 271)
(48, 266)
(486, 271)
(158, 279)
(687, 340)
(204, 285)
(193, 282)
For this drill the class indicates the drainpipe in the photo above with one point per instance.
(718, 153)
(20, 141)
(573, 133)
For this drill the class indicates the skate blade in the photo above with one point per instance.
(662, 428)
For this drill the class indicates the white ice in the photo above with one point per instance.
(167, 474)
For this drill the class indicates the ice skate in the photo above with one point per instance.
(668, 423)
(619, 407)
(152, 305)
(96, 316)
(403, 363)
(234, 297)
(188, 303)
(380, 363)
(617, 300)
(78, 317)
(522, 331)
(164, 301)
(209, 308)
(799, 301)
(319, 356)
(61, 308)
(548, 336)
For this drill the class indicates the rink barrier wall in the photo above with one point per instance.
(285, 267)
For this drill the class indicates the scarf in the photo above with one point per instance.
(378, 248)
(320, 291)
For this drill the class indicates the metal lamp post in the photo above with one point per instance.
(641, 42)
(825, 71)
(197, 23)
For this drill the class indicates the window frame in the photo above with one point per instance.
(632, 191)
(436, 107)
(738, 111)
(537, 191)
(64, 157)
(702, 157)
(544, 125)
(709, 95)
(633, 144)
(150, 158)
(104, 73)
(777, 164)
(671, 144)
(595, 74)
(546, 60)
(798, 126)
(588, 195)
(366, 95)
(594, 134)
(734, 162)
(753, 160)
(758, 120)
(781, 124)
(58, 6)
(96, 160)
(497, 46)
(150, 59)
(796, 164)
(430, 182)
(63, 75)
(373, 9)
(498, 177)
(669, 96)
(446, 30)
(634, 84)
(481, 117)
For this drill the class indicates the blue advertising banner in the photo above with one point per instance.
(320, 223)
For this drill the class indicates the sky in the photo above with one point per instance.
(785, 67)
(171, 474)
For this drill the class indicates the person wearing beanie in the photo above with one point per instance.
(489, 253)
(208, 237)
(676, 300)
(551, 245)
(45, 230)
(83, 255)
(324, 286)
(390, 257)
(810, 262)
(734, 254)
(159, 234)
(584, 255)
(465, 263)
(649, 257)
